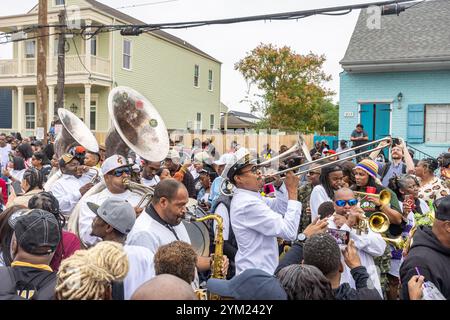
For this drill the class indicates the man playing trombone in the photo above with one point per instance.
(258, 221)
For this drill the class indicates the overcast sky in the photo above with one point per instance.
(328, 35)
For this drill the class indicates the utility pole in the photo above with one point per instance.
(61, 61)
(42, 90)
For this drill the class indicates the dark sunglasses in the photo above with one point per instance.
(351, 202)
(120, 171)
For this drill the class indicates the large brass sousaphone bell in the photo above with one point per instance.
(74, 133)
(137, 125)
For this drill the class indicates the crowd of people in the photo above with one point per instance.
(66, 236)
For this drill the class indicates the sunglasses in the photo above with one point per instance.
(120, 171)
(351, 202)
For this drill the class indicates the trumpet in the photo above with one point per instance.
(384, 196)
(146, 192)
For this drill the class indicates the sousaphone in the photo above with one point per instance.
(136, 126)
(74, 133)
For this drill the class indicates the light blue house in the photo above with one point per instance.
(396, 79)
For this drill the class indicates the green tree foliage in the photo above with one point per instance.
(291, 85)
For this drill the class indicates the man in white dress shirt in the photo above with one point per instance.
(149, 169)
(258, 221)
(69, 188)
(114, 170)
(369, 245)
(114, 220)
(160, 224)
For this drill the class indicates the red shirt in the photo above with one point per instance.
(68, 245)
(4, 191)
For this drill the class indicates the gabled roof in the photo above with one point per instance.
(129, 19)
(244, 114)
(419, 34)
(122, 16)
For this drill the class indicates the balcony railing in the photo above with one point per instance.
(8, 67)
(74, 65)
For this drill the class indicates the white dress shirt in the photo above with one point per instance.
(87, 216)
(140, 269)
(149, 233)
(369, 245)
(152, 182)
(257, 222)
(222, 211)
(318, 196)
(4, 156)
(67, 191)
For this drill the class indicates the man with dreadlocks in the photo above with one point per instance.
(69, 241)
(331, 179)
(91, 274)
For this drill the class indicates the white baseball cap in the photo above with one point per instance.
(224, 159)
(173, 154)
(113, 162)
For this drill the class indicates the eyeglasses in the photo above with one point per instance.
(120, 171)
(253, 170)
(351, 202)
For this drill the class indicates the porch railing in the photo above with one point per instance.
(74, 64)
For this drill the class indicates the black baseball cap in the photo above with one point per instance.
(37, 231)
(443, 209)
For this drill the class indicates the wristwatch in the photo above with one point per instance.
(301, 238)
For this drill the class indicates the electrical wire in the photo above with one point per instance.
(191, 24)
(145, 4)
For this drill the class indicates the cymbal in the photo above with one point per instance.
(138, 123)
(78, 130)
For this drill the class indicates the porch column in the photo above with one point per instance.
(20, 58)
(51, 52)
(87, 105)
(20, 109)
(51, 105)
(88, 48)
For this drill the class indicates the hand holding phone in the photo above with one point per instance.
(342, 236)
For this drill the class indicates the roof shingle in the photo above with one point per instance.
(421, 33)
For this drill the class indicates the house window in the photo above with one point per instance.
(56, 47)
(199, 120)
(30, 49)
(60, 2)
(196, 75)
(210, 80)
(93, 118)
(437, 123)
(127, 54)
(211, 121)
(94, 46)
(30, 115)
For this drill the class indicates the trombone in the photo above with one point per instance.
(331, 156)
(227, 188)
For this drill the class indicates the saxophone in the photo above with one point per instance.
(217, 263)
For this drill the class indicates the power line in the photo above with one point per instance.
(146, 4)
(191, 24)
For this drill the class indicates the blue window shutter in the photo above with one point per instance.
(416, 123)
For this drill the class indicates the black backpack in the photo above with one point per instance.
(13, 289)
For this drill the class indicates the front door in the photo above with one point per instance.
(376, 119)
